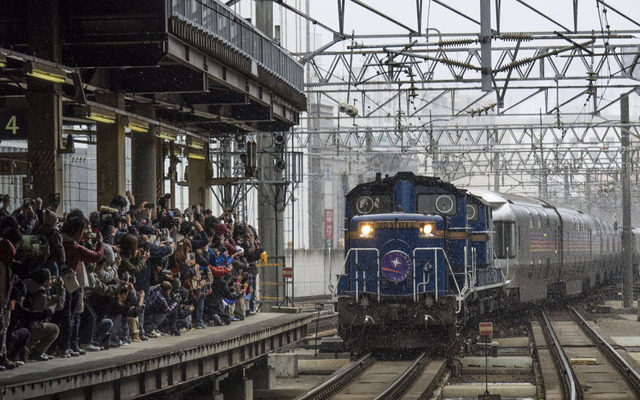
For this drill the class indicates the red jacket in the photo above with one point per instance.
(75, 253)
(219, 272)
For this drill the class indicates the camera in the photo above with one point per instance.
(149, 205)
(125, 277)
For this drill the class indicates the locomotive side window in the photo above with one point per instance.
(437, 204)
(505, 239)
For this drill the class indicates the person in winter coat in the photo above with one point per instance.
(75, 232)
(133, 260)
(214, 311)
(11, 239)
(44, 295)
(49, 230)
(159, 307)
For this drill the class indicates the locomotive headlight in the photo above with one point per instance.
(366, 230)
(427, 230)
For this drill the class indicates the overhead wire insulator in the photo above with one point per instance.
(516, 36)
(460, 64)
(516, 64)
(455, 42)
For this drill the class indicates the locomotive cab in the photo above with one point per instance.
(397, 276)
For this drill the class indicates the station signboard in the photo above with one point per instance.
(13, 126)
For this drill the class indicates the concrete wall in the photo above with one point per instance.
(315, 270)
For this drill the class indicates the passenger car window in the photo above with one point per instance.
(505, 239)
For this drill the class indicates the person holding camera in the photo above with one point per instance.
(159, 252)
(48, 228)
(160, 306)
(133, 259)
(214, 307)
(43, 295)
(26, 215)
(195, 285)
(74, 233)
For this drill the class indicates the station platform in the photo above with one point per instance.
(144, 368)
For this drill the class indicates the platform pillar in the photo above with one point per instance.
(44, 129)
(237, 387)
(44, 104)
(199, 192)
(144, 147)
(111, 154)
(263, 376)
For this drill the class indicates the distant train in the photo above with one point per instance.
(422, 257)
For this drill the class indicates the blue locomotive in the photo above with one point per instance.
(422, 257)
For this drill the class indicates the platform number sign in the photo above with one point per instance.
(12, 126)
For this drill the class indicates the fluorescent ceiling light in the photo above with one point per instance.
(163, 133)
(196, 156)
(135, 124)
(45, 72)
(194, 143)
(104, 116)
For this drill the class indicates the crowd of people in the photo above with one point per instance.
(125, 273)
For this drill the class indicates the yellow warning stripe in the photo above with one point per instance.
(270, 265)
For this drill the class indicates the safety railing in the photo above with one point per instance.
(218, 20)
(271, 274)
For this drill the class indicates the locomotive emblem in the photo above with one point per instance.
(396, 265)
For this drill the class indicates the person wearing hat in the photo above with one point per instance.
(49, 230)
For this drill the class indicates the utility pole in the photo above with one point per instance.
(271, 192)
(627, 240)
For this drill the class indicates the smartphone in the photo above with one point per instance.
(149, 205)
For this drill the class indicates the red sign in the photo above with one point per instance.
(328, 223)
(485, 328)
(287, 272)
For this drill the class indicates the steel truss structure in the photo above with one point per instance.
(476, 103)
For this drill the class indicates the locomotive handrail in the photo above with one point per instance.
(436, 250)
(365, 278)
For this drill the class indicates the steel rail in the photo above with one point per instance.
(625, 370)
(569, 382)
(338, 381)
(408, 377)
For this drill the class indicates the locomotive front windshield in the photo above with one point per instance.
(372, 204)
(444, 204)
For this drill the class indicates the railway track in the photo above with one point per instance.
(585, 366)
(371, 378)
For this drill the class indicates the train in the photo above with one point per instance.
(424, 257)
